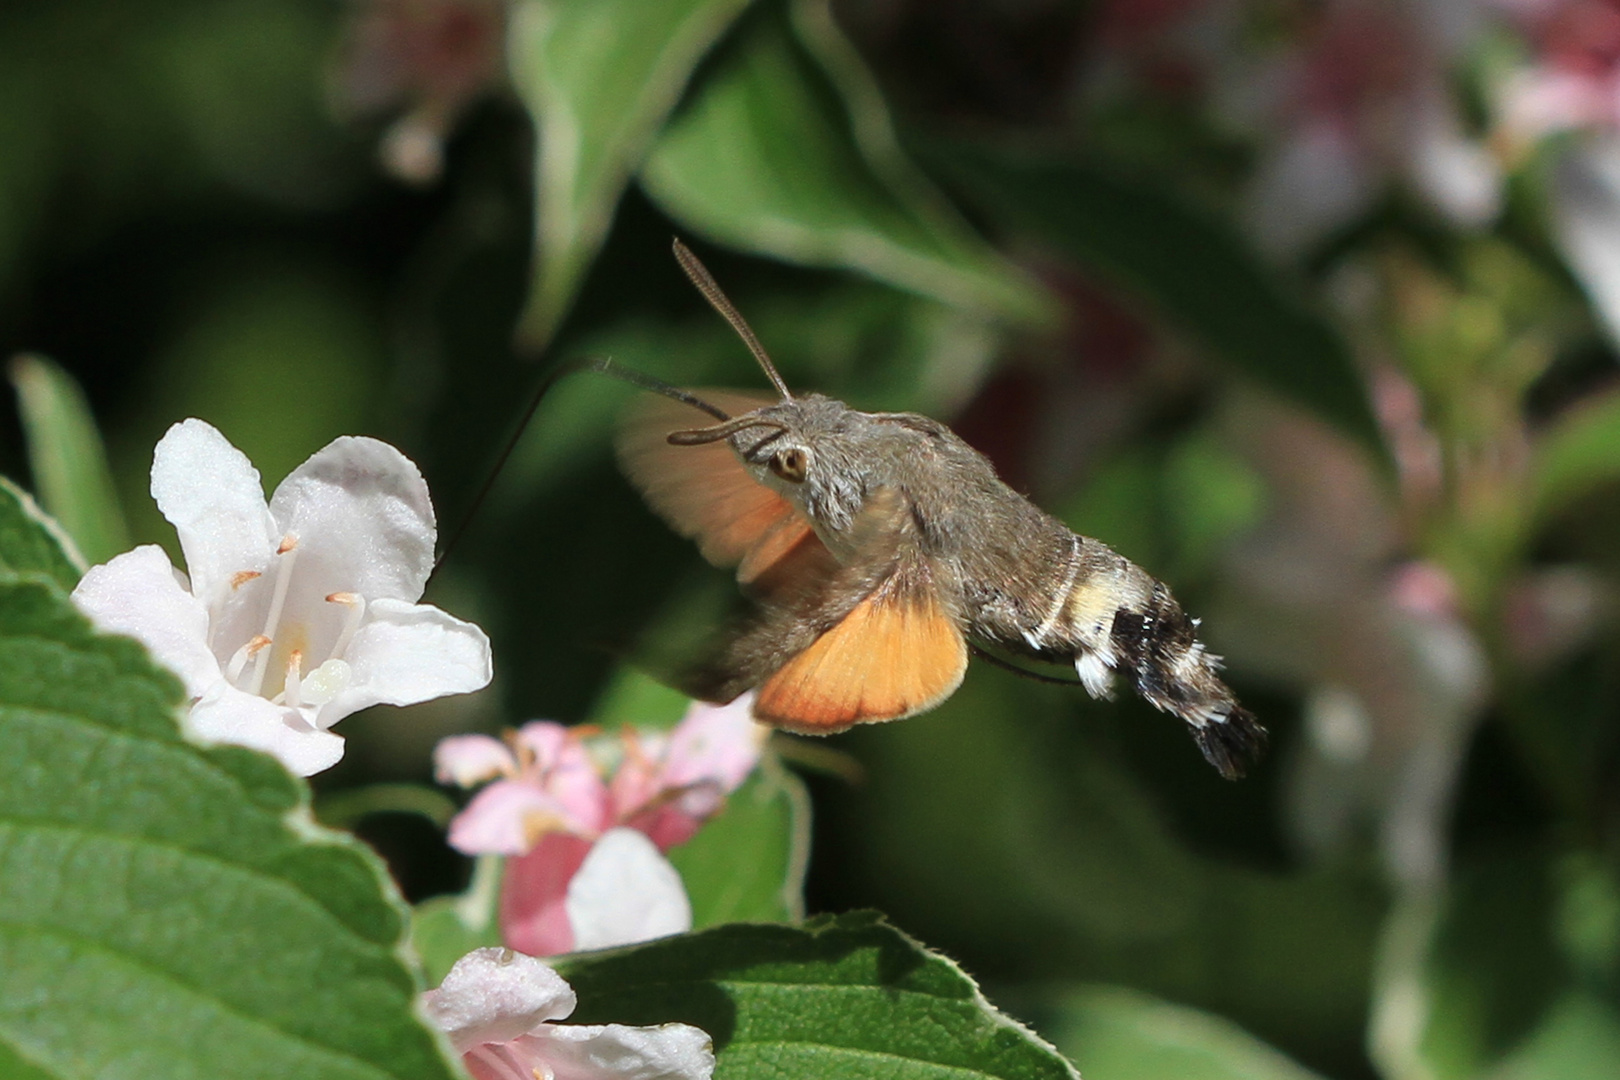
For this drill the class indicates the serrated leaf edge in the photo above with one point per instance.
(52, 527)
(999, 1018)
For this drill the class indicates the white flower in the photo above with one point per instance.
(295, 614)
(624, 892)
(495, 1006)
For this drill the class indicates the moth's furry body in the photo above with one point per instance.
(1008, 573)
(878, 544)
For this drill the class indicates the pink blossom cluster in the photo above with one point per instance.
(1355, 96)
(557, 791)
(1573, 78)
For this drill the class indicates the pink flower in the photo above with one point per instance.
(1360, 99)
(430, 58)
(496, 1008)
(1573, 80)
(1572, 84)
(554, 803)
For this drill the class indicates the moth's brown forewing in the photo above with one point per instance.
(703, 491)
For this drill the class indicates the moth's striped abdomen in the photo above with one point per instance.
(1116, 617)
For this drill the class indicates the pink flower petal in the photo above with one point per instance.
(534, 894)
(576, 783)
(670, 825)
(546, 740)
(639, 779)
(714, 743)
(469, 760)
(504, 819)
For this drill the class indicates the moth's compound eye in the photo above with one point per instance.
(790, 465)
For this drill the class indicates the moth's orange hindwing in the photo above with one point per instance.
(897, 653)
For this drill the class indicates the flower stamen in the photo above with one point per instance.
(242, 577)
(233, 670)
(295, 675)
(351, 622)
(289, 552)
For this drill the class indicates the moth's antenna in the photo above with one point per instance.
(700, 436)
(699, 275)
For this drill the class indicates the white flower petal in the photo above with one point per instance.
(211, 493)
(626, 891)
(225, 714)
(496, 995)
(137, 594)
(621, 1052)
(1457, 174)
(1306, 187)
(1585, 211)
(405, 653)
(363, 519)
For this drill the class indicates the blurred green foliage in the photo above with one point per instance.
(1385, 470)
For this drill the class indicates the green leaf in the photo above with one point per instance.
(69, 462)
(636, 699)
(171, 910)
(1211, 496)
(446, 928)
(598, 77)
(1578, 452)
(344, 809)
(32, 543)
(1118, 1034)
(1455, 993)
(747, 863)
(1198, 272)
(841, 997)
(1024, 826)
(786, 149)
(1579, 1040)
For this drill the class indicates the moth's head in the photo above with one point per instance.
(813, 450)
(810, 449)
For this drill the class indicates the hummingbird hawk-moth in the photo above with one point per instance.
(878, 545)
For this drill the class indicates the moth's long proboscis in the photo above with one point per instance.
(601, 364)
(658, 386)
